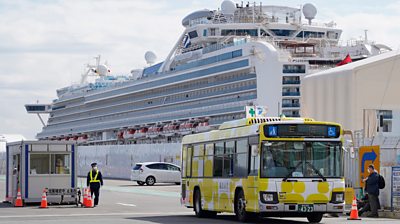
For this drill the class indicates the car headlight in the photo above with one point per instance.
(269, 197)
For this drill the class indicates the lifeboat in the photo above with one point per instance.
(82, 138)
(129, 133)
(186, 128)
(154, 131)
(120, 135)
(170, 129)
(203, 126)
(141, 133)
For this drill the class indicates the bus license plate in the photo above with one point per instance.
(305, 208)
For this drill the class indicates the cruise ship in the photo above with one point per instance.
(239, 55)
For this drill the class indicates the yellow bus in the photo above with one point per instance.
(270, 167)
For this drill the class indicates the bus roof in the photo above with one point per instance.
(245, 127)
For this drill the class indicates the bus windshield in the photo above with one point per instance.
(301, 159)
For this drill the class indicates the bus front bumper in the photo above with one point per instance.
(297, 208)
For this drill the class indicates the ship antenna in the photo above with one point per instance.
(366, 36)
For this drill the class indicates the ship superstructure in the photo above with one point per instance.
(226, 59)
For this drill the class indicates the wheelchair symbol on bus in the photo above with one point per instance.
(331, 131)
(272, 131)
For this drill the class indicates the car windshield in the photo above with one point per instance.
(137, 167)
(302, 159)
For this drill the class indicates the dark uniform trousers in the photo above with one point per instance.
(95, 189)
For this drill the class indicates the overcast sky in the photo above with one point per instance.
(44, 44)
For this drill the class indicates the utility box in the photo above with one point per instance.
(32, 166)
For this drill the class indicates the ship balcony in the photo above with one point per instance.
(291, 94)
(291, 105)
(291, 82)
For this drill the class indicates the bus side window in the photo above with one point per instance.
(189, 161)
(254, 160)
(254, 156)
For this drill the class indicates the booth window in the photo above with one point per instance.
(60, 163)
(39, 163)
(49, 164)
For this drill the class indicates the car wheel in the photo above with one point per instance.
(314, 218)
(150, 181)
(141, 183)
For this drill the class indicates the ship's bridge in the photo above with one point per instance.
(38, 108)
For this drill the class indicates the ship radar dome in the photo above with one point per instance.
(102, 70)
(150, 57)
(309, 11)
(228, 7)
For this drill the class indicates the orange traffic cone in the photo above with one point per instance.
(18, 201)
(89, 203)
(43, 204)
(354, 210)
(84, 197)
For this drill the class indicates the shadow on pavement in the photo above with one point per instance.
(145, 186)
(219, 219)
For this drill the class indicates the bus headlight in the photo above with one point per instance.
(269, 197)
(337, 197)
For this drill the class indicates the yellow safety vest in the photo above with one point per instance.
(94, 180)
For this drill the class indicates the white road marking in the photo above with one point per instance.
(99, 214)
(130, 205)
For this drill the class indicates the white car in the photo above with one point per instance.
(156, 172)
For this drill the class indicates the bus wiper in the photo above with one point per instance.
(316, 170)
(292, 170)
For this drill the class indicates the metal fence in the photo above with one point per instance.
(389, 157)
(2, 163)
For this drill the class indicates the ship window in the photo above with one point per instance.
(193, 34)
(280, 32)
(294, 69)
(212, 31)
(204, 33)
(311, 34)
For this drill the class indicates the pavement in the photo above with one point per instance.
(125, 202)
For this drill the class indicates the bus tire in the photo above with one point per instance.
(240, 208)
(315, 218)
(200, 213)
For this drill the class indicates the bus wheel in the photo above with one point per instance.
(200, 213)
(315, 218)
(240, 208)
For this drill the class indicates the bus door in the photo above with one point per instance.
(252, 179)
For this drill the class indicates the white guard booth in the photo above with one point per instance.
(32, 166)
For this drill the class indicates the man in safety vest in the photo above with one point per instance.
(94, 180)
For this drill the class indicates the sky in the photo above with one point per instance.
(44, 44)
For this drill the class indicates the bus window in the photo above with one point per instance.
(254, 160)
(280, 159)
(241, 157)
(189, 161)
(198, 161)
(208, 160)
(218, 159)
(228, 159)
(323, 157)
(184, 156)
